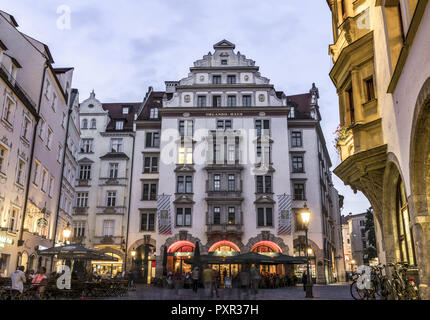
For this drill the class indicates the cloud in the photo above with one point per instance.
(121, 48)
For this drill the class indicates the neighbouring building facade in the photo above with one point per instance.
(33, 143)
(102, 184)
(209, 170)
(382, 75)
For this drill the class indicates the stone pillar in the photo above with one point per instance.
(421, 231)
(320, 271)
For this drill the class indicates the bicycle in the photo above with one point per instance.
(403, 288)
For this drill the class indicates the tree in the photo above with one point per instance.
(370, 251)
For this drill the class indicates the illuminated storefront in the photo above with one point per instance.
(299, 251)
(108, 267)
(224, 249)
(177, 254)
(271, 249)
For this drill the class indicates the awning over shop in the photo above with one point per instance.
(75, 252)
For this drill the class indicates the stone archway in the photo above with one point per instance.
(319, 258)
(266, 236)
(419, 167)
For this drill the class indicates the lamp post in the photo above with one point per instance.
(67, 232)
(306, 216)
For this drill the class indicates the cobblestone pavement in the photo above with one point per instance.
(320, 292)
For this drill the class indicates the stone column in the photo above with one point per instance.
(421, 232)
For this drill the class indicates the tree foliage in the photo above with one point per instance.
(370, 251)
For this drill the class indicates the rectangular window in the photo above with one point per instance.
(85, 172)
(185, 155)
(49, 139)
(78, 229)
(36, 173)
(350, 99)
(186, 128)
(292, 113)
(147, 222)
(153, 113)
(201, 101)
(116, 145)
(20, 172)
(231, 79)
(299, 191)
(42, 129)
(364, 244)
(87, 145)
(26, 128)
(59, 153)
(149, 192)
(12, 219)
(108, 228)
(217, 215)
(180, 185)
(183, 217)
(119, 125)
(231, 153)
(111, 199)
(264, 153)
(152, 140)
(296, 139)
(231, 101)
(82, 200)
(113, 170)
(216, 79)
(223, 124)
(3, 153)
(298, 164)
(264, 184)
(370, 90)
(262, 126)
(125, 110)
(224, 62)
(51, 186)
(216, 101)
(246, 101)
(217, 182)
(231, 182)
(231, 215)
(8, 110)
(150, 164)
(264, 217)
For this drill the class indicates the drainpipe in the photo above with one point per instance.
(27, 185)
(60, 193)
(129, 203)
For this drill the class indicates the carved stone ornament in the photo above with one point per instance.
(261, 97)
(187, 98)
(202, 78)
(246, 78)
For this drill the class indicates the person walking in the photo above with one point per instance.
(244, 280)
(214, 283)
(207, 279)
(177, 281)
(195, 276)
(18, 279)
(304, 280)
(255, 278)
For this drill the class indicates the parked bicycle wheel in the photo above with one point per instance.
(356, 293)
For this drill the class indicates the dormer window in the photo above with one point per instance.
(153, 113)
(224, 62)
(292, 114)
(125, 110)
(90, 106)
(119, 125)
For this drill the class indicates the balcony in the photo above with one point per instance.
(113, 181)
(120, 210)
(81, 211)
(83, 182)
(224, 229)
(104, 240)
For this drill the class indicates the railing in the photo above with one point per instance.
(224, 228)
(113, 181)
(111, 210)
(20, 92)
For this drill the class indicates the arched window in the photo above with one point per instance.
(93, 124)
(85, 124)
(153, 113)
(404, 233)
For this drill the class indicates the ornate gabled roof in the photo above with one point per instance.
(85, 160)
(224, 44)
(115, 155)
(264, 200)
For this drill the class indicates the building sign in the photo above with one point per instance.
(269, 254)
(183, 254)
(224, 114)
(42, 223)
(284, 219)
(4, 241)
(224, 253)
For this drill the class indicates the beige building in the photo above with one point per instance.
(33, 145)
(381, 72)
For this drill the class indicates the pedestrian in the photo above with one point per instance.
(207, 279)
(177, 279)
(214, 283)
(195, 276)
(255, 278)
(39, 282)
(304, 280)
(18, 279)
(244, 280)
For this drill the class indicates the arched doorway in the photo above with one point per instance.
(271, 249)
(144, 261)
(177, 253)
(224, 249)
(420, 185)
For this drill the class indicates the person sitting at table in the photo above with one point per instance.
(39, 282)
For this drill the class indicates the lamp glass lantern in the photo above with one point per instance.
(67, 231)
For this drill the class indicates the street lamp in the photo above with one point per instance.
(67, 232)
(306, 217)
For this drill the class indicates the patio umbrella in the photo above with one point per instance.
(165, 261)
(250, 258)
(285, 259)
(75, 252)
(205, 259)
